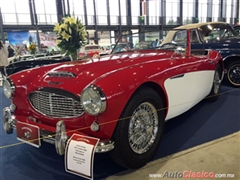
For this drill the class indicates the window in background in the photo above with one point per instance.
(238, 16)
(76, 7)
(46, 11)
(123, 12)
(172, 11)
(113, 37)
(229, 11)
(154, 12)
(114, 12)
(215, 10)
(188, 8)
(235, 9)
(101, 10)
(19, 12)
(202, 10)
(90, 12)
(135, 9)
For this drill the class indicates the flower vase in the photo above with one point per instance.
(33, 53)
(73, 56)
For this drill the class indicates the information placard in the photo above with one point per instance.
(79, 155)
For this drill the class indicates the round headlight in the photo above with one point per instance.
(93, 100)
(8, 88)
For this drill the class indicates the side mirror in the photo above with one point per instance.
(180, 50)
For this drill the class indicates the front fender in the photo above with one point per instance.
(119, 86)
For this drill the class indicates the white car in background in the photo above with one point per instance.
(92, 50)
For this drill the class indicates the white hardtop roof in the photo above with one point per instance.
(197, 25)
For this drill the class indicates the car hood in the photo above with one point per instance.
(96, 67)
(82, 73)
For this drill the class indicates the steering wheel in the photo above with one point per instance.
(169, 45)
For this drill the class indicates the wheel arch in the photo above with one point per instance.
(222, 66)
(229, 59)
(122, 154)
(155, 87)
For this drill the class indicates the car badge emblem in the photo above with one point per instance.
(27, 134)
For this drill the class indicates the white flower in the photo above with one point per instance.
(65, 35)
(58, 41)
(56, 27)
(64, 26)
(72, 20)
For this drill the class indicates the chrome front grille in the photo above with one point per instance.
(57, 104)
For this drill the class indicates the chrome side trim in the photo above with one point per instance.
(178, 76)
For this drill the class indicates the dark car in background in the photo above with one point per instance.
(237, 29)
(212, 35)
(17, 66)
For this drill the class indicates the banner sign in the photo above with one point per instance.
(20, 37)
(48, 39)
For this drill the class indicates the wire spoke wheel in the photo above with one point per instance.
(216, 82)
(143, 128)
(137, 138)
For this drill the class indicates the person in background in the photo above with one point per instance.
(24, 50)
(52, 52)
(43, 48)
(130, 44)
(155, 44)
(10, 51)
(3, 57)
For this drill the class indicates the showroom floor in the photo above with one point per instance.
(220, 157)
(205, 139)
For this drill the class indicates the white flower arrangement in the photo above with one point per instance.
(71, 34)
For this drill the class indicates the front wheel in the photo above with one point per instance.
(139, 131)
(233, 74)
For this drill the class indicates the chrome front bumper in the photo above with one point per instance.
(59, 139)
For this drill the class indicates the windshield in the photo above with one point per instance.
(137, 41)
(177, 38)
(237, 29)
(216, 31)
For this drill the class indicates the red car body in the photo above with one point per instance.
(175, 75)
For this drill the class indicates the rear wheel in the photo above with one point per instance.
(233, 74)
(139, 131)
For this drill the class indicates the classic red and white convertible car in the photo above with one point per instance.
(123, 99)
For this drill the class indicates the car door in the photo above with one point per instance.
(180, 84)
(206, 67)
(190, 79)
